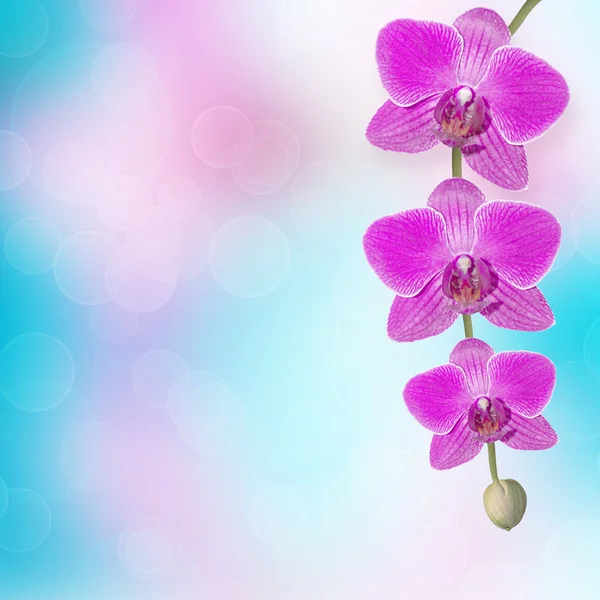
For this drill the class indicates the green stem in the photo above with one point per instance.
(492, 460)
(468, 323)
(522, 15)
(456, 162)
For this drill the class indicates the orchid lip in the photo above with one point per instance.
(488, 417)
(462, 116)
(468, 281)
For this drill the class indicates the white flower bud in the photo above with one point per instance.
(505, 502)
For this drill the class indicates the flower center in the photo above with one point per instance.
(487, 418)
(461, 114)
(468, 281)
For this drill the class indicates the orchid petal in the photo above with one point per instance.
(526, 94)
(407, 249)
(519, 240)
(496, 160)
(455, 448)
(483, 31)
(438, 397)
(421, 316)
(407, 129)
(457, 199)
(523, 380)
(417, 59)
(472, 356)
(523, 310)
(529, 434)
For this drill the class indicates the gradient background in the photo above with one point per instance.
(198, 396)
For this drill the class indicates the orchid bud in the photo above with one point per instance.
(505, 502)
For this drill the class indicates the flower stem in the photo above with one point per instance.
(522, 15)
(492, 460)
(456, 162)
(468, 323)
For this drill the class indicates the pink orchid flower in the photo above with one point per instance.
(463, 255)
(466, 87)
(482, 397)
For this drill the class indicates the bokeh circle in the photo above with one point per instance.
(15, 160)
(80, 267)
(222, 137)
(26, 522)
(37, 372)
(249, 256)
(108, 15)
(31, 245)
(23, 27)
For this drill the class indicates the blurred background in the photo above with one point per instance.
(198, 397)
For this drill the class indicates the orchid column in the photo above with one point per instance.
(466, 87)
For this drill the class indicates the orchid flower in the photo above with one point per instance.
(480, 398)
(466, 87)
(463, 255)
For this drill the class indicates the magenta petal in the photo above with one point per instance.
(520, 240)
(421, 316)
(455, 448)
(526, 94)
(529, 434)
(438, 397)
(407, 249)
(496, 160)
(523, 380)
(523, 310)
(483, 31)
(472, 356)
(407, 129)
(417, 59)
(458, 199)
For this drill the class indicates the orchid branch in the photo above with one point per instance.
(522, 15)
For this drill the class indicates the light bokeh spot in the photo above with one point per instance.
(23, 27)
(15, 160)
(141, 279)
(94, 457)
(266, 169)
(108, 15)
(180, 196)
(587, 216)
(80, 267)
(123, 201)
(113, 324)
(249, 256)
(37, 372)
(73, 171)
(575, 421)
(124, 76)
(222, 137)
(207, 413)
(153, 375)
(26, 522)
(31, 245)
(571, 557)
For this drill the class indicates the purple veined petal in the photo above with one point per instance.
(483, 31)
(407, 249)
(523, 380)
(522, 310)
(417, 59)
(438, 398)
(455, 448)
(496, 160)
(519, 240)
(472, 356)
(526, 94)
(529, 434)
(458, 199)
(422, 316)
(408, 129)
